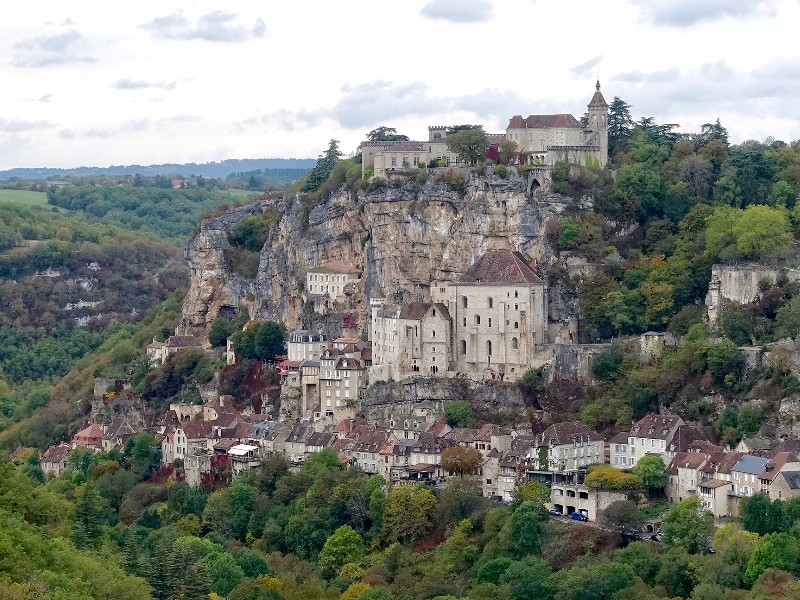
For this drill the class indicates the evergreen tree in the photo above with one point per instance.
(324, 166)
(620, 126)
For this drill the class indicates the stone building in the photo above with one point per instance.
(339, 382)
(331, 282)
(413, 339)
(566, 447)
(488, 324)
(499, 313)
(546, 139)
(541, 139)
(305, 345)
(653, 434)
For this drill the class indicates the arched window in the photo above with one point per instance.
(464, 302)
(463, 346)
(514, 343)
(477, 319)
(490, 321)
(489, 302)
(488, 347)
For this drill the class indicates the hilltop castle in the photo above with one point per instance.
(542, 141)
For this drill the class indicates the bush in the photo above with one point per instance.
(242, 262)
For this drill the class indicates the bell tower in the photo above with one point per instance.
(598, 121)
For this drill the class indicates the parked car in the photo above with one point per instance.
(555, 512)
(578, 516)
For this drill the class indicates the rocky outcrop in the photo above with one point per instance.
(740, 283)
(402, 238)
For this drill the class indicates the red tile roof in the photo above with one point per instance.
(502, 267)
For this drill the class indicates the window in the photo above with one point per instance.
(433, 333)
(516, 307)
(490, 321)
(463, 346)
(465, 321)
(488, 347)
(489, 302)
(477, 319)
(516, 324)
(516, 294)
(514, 343)
(464, 301)
(433, 312)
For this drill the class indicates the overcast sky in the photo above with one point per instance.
(88, 83)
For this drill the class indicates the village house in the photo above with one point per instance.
(566, 447)
(785, 486)
(117, 434)
(514, 465)
(652, 434)
(303, 345)
(54, 460)
(90, 437)
(242, 457)
(331, 282)
(340, 381)
(745, 474)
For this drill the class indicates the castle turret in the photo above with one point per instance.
(598, 121)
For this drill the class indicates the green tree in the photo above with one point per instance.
(724, 360)
(762, 232)
(461, 460)
(88, 516)
(343, 546)
(757, 514)
(688, 525)
(223, 572)
(597, 582)
(459, 413)
(251, 563)
(652, 472)
(787, 321)
(528, 578)
(219, 332)
(773, 551)
(407, 513)
(324, 166)
(261, 341)
(735, 323)
(569, 231)
(386, 134)
(469, 145)
(531, 491)
(508, 152)
(623, 514)
(620, 126)
(526, 530)
(320, 464)
(143, 454)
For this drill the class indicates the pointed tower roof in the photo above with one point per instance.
(597, 100)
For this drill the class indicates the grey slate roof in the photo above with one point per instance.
(792, 479)
(753, 465)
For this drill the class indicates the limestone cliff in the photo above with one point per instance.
(402, 236)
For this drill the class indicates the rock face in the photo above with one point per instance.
(402, 238)
(740, 283)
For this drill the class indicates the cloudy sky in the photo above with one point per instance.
(88, 83)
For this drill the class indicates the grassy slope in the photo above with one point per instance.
(23, 197)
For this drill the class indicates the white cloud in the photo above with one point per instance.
(458, 11)
(683, 13)
(137, 84)
(216, 26)
(65, 48)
